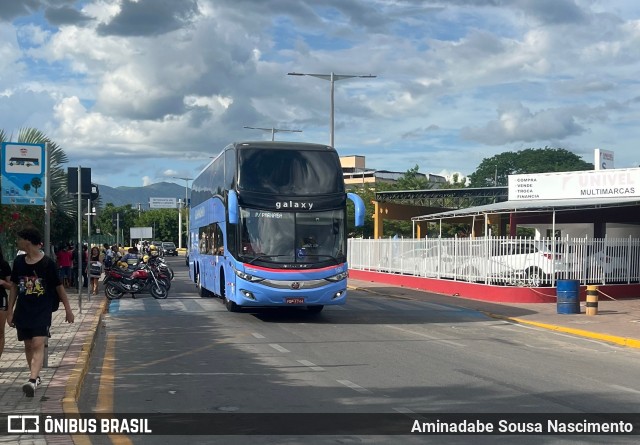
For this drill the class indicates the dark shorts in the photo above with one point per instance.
(29, 333)
(65, 272)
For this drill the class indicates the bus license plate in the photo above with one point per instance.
(299, 300)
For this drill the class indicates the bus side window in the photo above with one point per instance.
(218, 246)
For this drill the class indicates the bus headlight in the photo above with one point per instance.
(339, 277)
(247, 277)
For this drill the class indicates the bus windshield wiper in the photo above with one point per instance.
(331, 257)
(260, 257)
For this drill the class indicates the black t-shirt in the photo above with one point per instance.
(5, 271)
(36, 289)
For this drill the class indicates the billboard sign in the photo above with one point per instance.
(163, 203)
(603, 159)
(141, 232)
(22, 169)
(616, 183)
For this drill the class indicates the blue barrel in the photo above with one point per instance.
(568, 295)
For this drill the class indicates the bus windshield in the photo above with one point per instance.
(289, 172)
(298, 239)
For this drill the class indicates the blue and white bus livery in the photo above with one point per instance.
(268, 226)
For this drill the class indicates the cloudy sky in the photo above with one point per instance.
(144, 90)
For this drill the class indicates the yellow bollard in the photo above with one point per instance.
(592, 300)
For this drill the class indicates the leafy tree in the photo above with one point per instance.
(412, 180)
(368, 195)
(128, 218)
(164, 223)
(457, 182)
(494, 171)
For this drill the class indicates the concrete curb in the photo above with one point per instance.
(74, 384)
(623, 341)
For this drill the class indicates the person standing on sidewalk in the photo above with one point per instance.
(65, 263)
(95, 269)
(5, 285)
(35, 285)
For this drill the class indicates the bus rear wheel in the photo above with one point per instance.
(204, 293)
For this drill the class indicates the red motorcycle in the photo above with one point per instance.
(141, 279)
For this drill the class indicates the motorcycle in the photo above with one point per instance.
(160, 263)
(141, 279)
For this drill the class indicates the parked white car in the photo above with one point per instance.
(515, 262)
(423, 262)
(606, 265)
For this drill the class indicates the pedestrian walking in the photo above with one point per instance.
(36, 290)
(85, 259)
(95, 268)
(5, 285)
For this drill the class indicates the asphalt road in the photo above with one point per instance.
(377, 354)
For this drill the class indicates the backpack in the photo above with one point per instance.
(108, 261)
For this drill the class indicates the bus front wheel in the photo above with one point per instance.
(231, 305)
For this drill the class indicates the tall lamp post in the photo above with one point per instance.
(273, 131)
(186, 201)
(332, 77)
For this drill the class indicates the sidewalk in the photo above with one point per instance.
(617, 321)
(68, 359)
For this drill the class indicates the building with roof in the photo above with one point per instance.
(356, 174)
(591, 204)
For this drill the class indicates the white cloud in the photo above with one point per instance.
(516, 123)
(457, 81)
(10, 64)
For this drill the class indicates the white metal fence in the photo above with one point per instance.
(500, 260)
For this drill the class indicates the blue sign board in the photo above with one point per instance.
(23, 167)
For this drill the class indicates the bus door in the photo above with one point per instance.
(217, 250)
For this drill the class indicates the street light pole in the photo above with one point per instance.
(332, 77)
(186, 201)
(273, 130)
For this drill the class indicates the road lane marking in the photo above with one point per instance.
(104, 404)
(431, 337)
(183, 374)
(256, 335)
(353, 386)
(167, 359)
(311, 365)
(625, 389)
(278, 347)
(403, 410)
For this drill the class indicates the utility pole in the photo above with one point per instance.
(273, 131)
(332, 77)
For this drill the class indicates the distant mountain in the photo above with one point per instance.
(121, 196)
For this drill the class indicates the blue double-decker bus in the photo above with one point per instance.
(268, 226)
